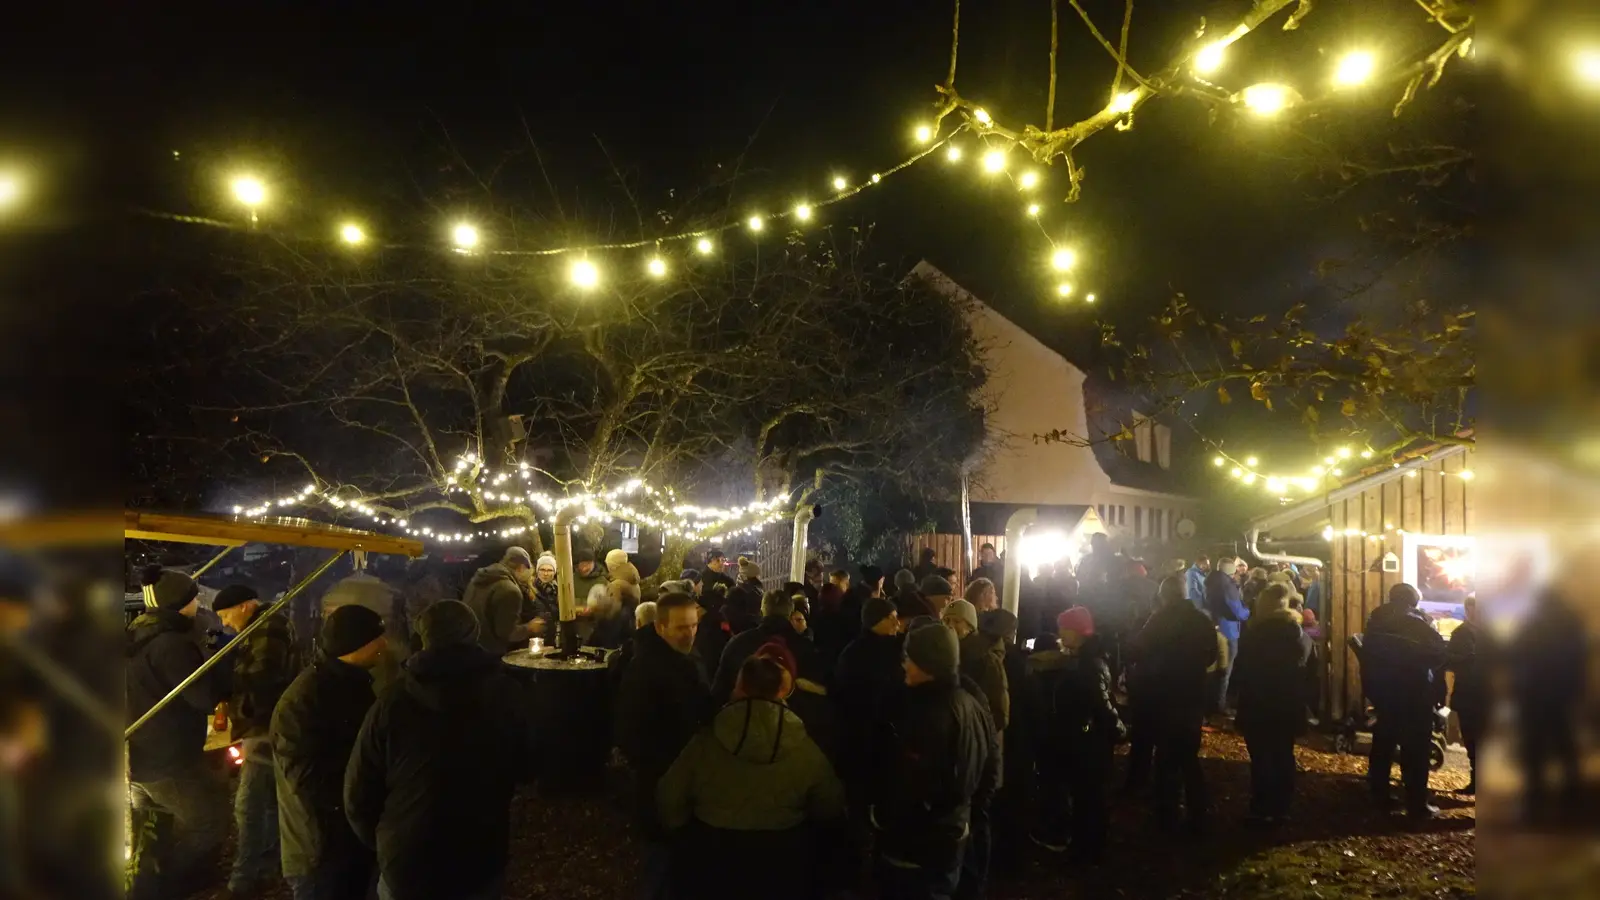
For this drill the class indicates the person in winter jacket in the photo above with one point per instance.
(939, 759)
(497, 595)
(1173, 652)
(586, 573)
(543, 612)
(1272, 713)
(1194, 579)
(747, 790)
(662, 701)
(865, 681)
(936, 592)
(1225, 605)
(983, 659)
(926, 564)
(610, 613)
(441, 748)
(713, 632)
(314, 730)
(167, 770)
(990, 568)
(908, 601)
(982, 594)
(1466, 656)
(776, 609)
(1012, 804)
(714, 572)
(365, 589)
(1402, 674)
(1548, 664)
(263, 666)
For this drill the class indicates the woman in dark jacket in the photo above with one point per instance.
(1272, 653)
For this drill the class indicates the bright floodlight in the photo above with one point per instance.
(1354, 68)
(466, 236)
(657, 267)
(953, 154)
(1266, 99)
(994, 161)
(755, 223)
(249, 191)
(351, 233)
(1063, 259)
(584, 274)
(1124, 102)
(1029, 180)
(704, 245)
(839, 183)
(1210, 57)
(803, 212)
(924, 134)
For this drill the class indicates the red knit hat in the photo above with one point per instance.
(779, 652)
(1077, 620)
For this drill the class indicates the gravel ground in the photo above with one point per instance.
(1337, 847)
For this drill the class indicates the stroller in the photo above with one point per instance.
(1344, 741)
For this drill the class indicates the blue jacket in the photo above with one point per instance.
(1225, 603)
(1196, 591)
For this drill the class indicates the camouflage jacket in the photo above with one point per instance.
(263, 667)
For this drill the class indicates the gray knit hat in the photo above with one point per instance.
(875, 610)
(1001, 623)
(964, 611)
(516, 556)
(936, 586)
(936, 651)
(448, 622)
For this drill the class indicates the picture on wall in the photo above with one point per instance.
(1443, 568)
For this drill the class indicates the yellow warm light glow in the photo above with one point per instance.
(755, 223)
(10, 189)
(1266, 99)
(351, 233)
(1236, 472)
(983, 117)
(1354, 68)
(466, 236)
(994, 161)
(1317, 470)
(657, 267)
(584, 274)
(953, 154)
(1216, 460)
(924, 134)
(876, 178)
(249, 191)
(1088, 298)
(1467, 474)
(1033, 209)
(1064, 290)
(704, 245)
(1210, 57)
(839, 183)
(1028, 180)
(1587, 65)
(803, 212)
(1366, 454)
(1344, 452)
(1124, 102)
(1250, 478)
(1252, 462)
(1063, 259)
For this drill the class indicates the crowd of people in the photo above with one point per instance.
(864, 728)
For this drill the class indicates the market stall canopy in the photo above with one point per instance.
(236, 531)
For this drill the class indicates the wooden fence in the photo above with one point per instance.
(949, 553)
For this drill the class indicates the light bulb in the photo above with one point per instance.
(1267, 99)
(983, 117)
(1033, 209)
(249, 191)
(994, 161)
(1028, 180)
(876, 178)
(839, 183)
(1063, 259)
(704, 245)
(657, 267)
(953, 154)
(1354, 68)
(584, 274)
(1216, 460)
(1123, 102)
(803, 212)
(351, 233)
(924, 134)
(1088, 298)
(1064, 289)
(10, 190)
(466, 236)
(755, 223)
(1252, 462)
(1209, 58)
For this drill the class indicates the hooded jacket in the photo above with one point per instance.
(1269, 673)
(430, 782)
(746, 644)
(983, 659)
(314, 728)
(753, 769)
(163, 648)
(496, 597)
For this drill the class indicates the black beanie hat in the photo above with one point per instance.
(582, 555)
(875, 610)
(349, 628)
(447, 622)
(173, 590)
(233, 595)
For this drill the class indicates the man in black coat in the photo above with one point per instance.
(314, 728)
(1174, 650)
(1466, 656)
(430, 782)
(1272, 712)
(868, 675)
(662, 701)
(167, 770)
(1402, 674)
(939, 758)
(1085, 719)
(715, 571)
(777, 609)
(1548, 661)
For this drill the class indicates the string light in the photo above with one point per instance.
(839, 183)
(1586, 64)
(1217, 461)
(1354, 68)
(657, 267)
(10, 190)
(1028, 180)
(802, 212)
(1063, 259)
(1267, 99)
(1088, 298)
(465, 236)
(876, 177)
(1252, 462)
(351, 233)
(755, 223)
(584, 274)
(1210, 58)
(1124, 102)
(983, 117)
(1033, 209)
(705, 246)
(249, 190)
(1064, 289)
(924, 134)
(953, 153)
(994, 161)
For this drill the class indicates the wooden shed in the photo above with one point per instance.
(1412, 521)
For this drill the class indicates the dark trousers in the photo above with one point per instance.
(1055, 795)
(1271, 771)
(182, 824)
(1473, 722)
(897, 881)
(345, 874)
(974, 880)
(255, 820)
(1179, 779)
(1090, 768)
(1141, 748)
(1544, 739)
(1408, 728)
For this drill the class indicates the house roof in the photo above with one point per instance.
(1367, 478)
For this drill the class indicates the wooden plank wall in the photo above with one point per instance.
(949, 552)
(1436, 500)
